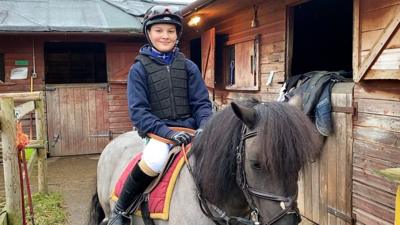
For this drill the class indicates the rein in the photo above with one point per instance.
(288, 204)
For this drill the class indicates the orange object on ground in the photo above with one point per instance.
(160, 197)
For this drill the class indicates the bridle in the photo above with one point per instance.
(219, 216)
(288, 204)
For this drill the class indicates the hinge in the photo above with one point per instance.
(343, 216)
(102, 134)
(348, 110)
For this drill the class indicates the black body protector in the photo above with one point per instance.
(168, 88)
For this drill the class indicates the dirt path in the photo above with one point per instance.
(74, 177)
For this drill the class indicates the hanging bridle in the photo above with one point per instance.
(288, 204)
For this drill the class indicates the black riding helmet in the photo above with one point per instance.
(162, 14)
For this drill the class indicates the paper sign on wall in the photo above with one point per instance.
(19, 73)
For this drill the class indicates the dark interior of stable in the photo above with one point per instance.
(322, 36)
(195, 51)
(2, 69)
(75, 62)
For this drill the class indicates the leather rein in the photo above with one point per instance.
(288, 204)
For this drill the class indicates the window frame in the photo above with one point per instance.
(239, 83)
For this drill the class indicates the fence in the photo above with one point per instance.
(9, 114)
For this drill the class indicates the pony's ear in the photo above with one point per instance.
(247, 115)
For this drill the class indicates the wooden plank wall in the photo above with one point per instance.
(327, 181)
(19, 47)
(374, 17)
(120, 57)
(271, 18)
(376, 146)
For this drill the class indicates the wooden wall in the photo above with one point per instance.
(120, 57)
(271, 26)
(19, 47)
(377, 125)
(376, 146)
(377, 39)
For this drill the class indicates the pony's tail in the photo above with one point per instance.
(96, 213)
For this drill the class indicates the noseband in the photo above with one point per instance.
(288, 204)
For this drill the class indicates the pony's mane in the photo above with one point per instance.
(287, 138)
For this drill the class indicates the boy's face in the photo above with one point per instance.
(163, 36)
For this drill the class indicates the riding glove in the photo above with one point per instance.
(181, 137)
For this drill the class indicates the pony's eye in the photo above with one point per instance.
(255, 165)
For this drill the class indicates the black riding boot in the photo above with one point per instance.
(134, 186)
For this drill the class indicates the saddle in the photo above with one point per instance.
(155, 201)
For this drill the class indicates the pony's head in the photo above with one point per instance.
(249, 157)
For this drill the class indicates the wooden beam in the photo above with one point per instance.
(383, 74)
(10, 160)
(356, 37)
(36, 144)
(379, 46)
(41, 134)
(23, 109)
(23, 96)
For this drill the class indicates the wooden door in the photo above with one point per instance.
(208, 57)
(325, 185)
(77, 117)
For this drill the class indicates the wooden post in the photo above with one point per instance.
(41, 134)
(10, 161)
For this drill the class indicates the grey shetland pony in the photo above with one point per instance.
(245, 165)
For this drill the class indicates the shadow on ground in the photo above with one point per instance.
(74, 177)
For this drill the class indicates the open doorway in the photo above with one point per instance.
(75, 62)
(319, 36)
(195, 51)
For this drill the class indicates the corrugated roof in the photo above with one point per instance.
(73, 15)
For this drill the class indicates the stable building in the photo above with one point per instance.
(250, 48)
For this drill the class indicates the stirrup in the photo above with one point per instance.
(119, 217)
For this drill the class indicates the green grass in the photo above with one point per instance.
(48, 209)
(28, 153)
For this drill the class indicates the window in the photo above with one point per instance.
(230, 65)
(2, 69)
(75, 62)
(241, 65)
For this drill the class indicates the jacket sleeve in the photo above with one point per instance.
(139, 106)
(198, 95)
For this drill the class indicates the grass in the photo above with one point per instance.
(48, 209)
(28, 153)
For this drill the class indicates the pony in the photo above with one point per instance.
(243, 168)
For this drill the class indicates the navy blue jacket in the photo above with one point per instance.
(139, 105)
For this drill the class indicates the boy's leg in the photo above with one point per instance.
(155, 154)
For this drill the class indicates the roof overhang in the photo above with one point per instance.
(212, 11)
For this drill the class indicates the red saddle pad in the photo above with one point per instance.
(160, 197)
